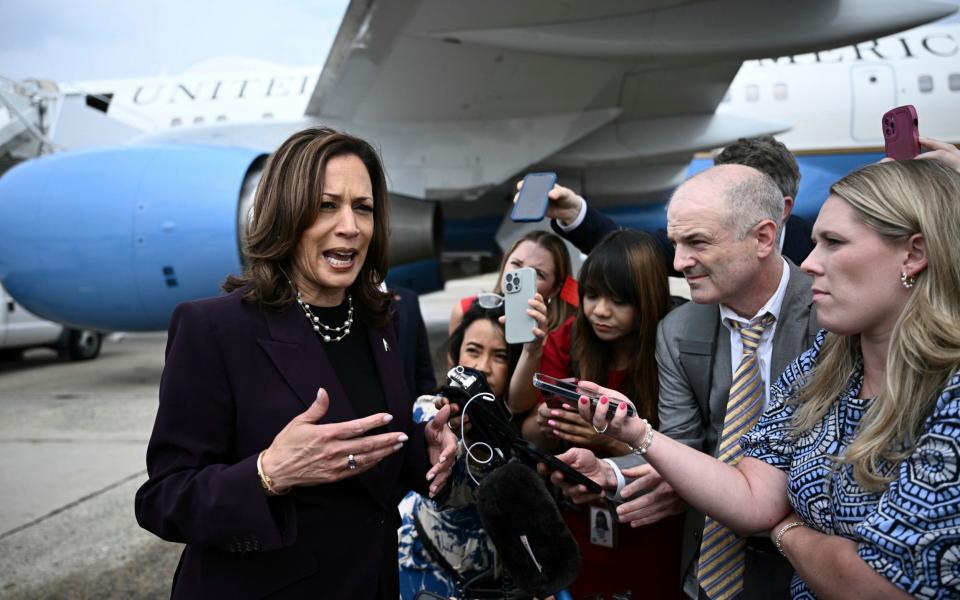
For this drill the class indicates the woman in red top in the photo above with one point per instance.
(623, 295)
(546, 254)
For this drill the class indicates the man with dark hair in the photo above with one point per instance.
(584, 226)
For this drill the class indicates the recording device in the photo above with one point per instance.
(556, 391)
(490, 422)
(531, 205)
(518, 288)
(901, 137)
(524, 524)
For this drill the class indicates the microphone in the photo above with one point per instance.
(524, 524)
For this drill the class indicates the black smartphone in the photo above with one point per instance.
(554, 388)
(531, 204)
(534, 454)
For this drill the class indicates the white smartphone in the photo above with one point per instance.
(518, 287)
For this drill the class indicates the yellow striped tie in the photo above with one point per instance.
(720, 569)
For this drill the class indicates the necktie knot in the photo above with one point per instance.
(751, 333)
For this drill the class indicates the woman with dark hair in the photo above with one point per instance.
(443, 547)
(623, 295)
(283, 438)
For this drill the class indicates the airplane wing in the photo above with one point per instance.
(617, 94)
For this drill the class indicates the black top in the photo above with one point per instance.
(353, 362)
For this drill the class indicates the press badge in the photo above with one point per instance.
(603, 527)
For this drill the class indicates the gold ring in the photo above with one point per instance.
(601, 431)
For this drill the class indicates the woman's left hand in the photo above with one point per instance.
(621, 427)
(567, 424)
(442, 449)
(537, 309)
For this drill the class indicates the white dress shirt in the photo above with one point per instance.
(765, 347)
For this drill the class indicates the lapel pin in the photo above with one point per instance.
(386, 346)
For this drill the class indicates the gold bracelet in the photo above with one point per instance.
(644, 445)
(786, 528)
(265, 480)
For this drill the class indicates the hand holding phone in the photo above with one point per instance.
(901, 137)
(531, 205)
(519, 288)
(571, 392)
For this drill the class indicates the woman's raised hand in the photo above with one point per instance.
(305, 453)
(537, 309)
(946, 153)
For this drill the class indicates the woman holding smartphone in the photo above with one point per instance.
(546, 254)
(623, 295)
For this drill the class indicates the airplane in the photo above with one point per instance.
(616, 96)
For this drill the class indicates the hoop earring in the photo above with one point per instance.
(907, 281)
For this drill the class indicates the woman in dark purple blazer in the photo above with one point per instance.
(283, 439)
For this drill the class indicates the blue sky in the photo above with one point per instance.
(67, 40)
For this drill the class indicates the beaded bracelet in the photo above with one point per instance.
(786, 528)
(644, 445)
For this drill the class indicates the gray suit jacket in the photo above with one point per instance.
(693, 359)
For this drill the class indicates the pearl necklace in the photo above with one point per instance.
(317, 325)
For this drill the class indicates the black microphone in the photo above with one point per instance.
(524, 524)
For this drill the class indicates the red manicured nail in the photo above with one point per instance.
(623, 406)
(603, 399)
(583, 400)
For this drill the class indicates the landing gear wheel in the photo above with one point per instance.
(80, 344)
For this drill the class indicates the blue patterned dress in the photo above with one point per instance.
(454, 529)
(910, 533)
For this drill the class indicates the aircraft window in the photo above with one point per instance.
(753, 93)
(176, 122)
(221, 117)
(780, 91)
(198, 120)
(925, 82)
(954, 82)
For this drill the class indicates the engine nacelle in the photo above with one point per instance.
(115, 238)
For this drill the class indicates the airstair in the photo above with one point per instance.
(28, 113)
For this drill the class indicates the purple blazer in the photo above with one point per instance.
(235, 375)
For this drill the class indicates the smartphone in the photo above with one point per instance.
(554, 398)
(532, 453)
(901, 137)
(518, 287)
(531, 205)
(569, 390)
